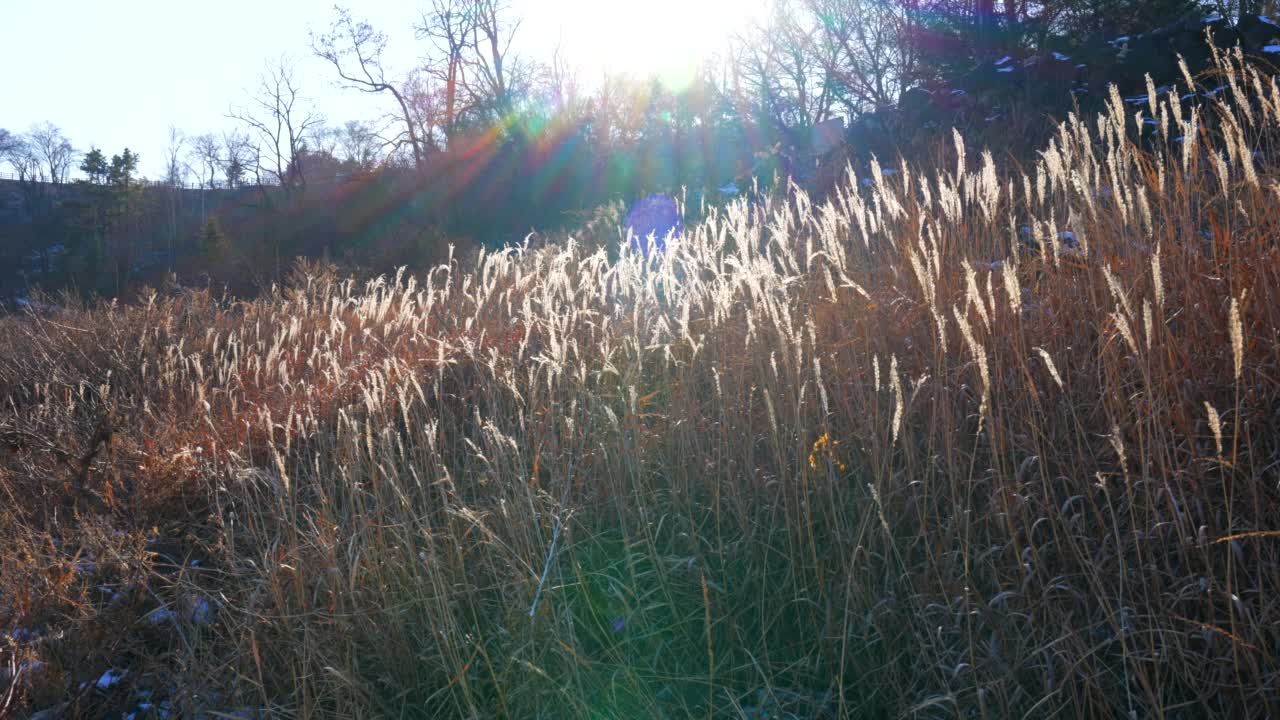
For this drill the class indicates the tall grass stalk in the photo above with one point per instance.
(964, 442)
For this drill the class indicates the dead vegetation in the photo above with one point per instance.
(962, 443)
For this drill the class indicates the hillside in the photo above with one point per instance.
(960, 441)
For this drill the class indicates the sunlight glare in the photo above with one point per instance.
(668, 39)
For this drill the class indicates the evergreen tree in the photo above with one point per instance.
(213, 242)
(94, 165)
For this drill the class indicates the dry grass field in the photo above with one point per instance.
(972, 440)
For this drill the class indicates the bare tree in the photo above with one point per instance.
(324, 140)
(24, 159)
(277, 115)
(357, 144)
(206, 154)
(175, 170)
(426, 105)
(780, 69)
(355, 50)
(863, 48)
(175, 174)
(9, 143)
(563, 88)
(238, 152)
(497, 78)
(53, 150)
(15, 150)
(448, 25)
(482, 78)
(812, 59)
(617, 110)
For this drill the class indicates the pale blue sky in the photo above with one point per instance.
(117, 74)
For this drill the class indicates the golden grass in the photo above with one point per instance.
(885, 455)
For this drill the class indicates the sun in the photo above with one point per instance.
(669, 39)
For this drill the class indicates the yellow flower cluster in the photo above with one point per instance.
(824, 449)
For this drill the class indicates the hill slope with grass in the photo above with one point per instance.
(961, 441)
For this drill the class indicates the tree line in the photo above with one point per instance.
(480, 143)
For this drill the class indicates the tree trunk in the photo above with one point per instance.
(450, 100)
(408, 122)
(984, 12)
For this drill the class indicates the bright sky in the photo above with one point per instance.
(117, 74)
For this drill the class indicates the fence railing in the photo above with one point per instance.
(213, 185)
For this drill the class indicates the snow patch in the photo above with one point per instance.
(111, 678)
(160, 616)
(21, 635)
(199, 610)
